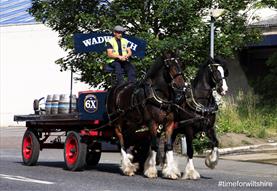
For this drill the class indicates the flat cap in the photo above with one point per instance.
(119, 28)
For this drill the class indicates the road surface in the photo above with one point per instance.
(50, 174)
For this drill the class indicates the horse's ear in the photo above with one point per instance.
(210, 61)
(220, 60)
(169, 53)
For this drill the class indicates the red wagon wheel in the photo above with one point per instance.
(74, 152)
(30, 148)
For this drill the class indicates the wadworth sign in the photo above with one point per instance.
(96, 42)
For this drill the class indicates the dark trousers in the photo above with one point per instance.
(122, 67)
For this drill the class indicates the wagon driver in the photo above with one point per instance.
(119, 53)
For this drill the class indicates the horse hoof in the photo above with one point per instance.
(171, 171)
(151, 172)
(130, 169)
(191, 175)
(127, 173)
(178, 174)
(212, 159)
(210, 164)
(172, 176)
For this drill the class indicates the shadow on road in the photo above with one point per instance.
(103, 167)
(107, 167)
(205, 177)
(114, 168)
(55, 164)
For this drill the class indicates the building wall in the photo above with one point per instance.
(237, 80)
(28, 71)
(251, 62)
(254, 63)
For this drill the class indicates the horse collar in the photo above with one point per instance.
(158, 101)
(198, 107)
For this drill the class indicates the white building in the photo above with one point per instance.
(28, 52)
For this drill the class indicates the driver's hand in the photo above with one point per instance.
(121, 58)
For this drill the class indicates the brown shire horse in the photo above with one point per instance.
(134, 108)
(197, 113)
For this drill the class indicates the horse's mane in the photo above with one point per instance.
(201, 70)
(158, 63)
(156, 66)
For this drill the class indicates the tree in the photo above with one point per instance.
(164, 24)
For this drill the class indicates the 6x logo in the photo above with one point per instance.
(91, 103)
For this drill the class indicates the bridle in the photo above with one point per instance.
(178, 90)
(167, 66)
(216, 80)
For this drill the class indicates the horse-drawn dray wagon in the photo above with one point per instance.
(80, 132)
(130, 116)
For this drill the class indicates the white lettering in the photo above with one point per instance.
(87, 42)
(90, 104)
(133, 46)
(100, 39)
(94, 41)
(93, 103)
(248, 184)
(107, 38)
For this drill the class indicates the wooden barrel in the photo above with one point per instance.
(55, 104)
(73, 103)
(63, 104)
(48, 104)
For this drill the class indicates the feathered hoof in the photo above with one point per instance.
(172, 176)
(129, 169)
(210, 164)
(151, 172)
(171, 173)
(191, 175)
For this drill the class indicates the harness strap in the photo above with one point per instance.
(159, 102)
(198, 107)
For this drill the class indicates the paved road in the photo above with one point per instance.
(49, 174)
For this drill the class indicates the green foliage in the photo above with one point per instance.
(164, 24)
(243, 116)
(247, 117)
(200, 143)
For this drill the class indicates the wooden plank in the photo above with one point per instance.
(56, 117)
(26, 117)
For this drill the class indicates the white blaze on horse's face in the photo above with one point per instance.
(224, 84)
